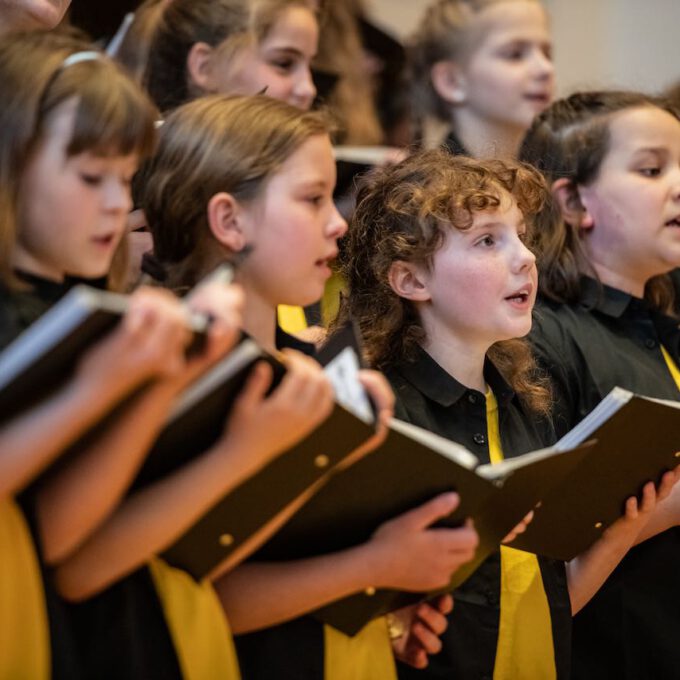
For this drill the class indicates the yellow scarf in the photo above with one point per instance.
(525, 648)
(197, 623)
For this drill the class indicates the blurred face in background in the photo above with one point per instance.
(19, 15)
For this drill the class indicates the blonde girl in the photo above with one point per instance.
(258, 173)
(481, 69)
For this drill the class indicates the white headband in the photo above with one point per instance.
(77, 57)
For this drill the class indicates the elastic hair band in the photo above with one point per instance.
(77, 57)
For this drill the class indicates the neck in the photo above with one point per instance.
(484, 138)
(259, 320)
(627, 276)
(25, 262)
(459, 357)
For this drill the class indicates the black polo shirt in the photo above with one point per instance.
(295, 649)
(426, 395)
(631, 628)
(122, 632)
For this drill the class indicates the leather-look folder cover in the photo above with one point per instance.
(637, 440)
(251, 505)
(411, 467)
(40, 359)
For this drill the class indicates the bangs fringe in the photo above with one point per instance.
(113, 117)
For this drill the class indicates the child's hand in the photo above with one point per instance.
(149, 342)
(381, 394)
(222, 303)
(410, 556)
(422, 624)
(638, 513)
(520, 528)
(261, 426)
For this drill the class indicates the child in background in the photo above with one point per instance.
(605, 319)
(23, 15)
(275, 195)
(233, 47)
(482, 69)
(68, 150)
(442, 283)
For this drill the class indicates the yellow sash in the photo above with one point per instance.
(24, 629)
(366, 656)
(525, 648)
(197, 623)
(675, 371)
(291, 319)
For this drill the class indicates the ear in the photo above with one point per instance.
(200, 66)
(224, 221)
(448, 81)
(407, 281)
(573, 211)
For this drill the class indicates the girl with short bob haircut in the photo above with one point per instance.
(442, 283)
(253, 173)
(232, 47)
(481, 70)
(605, 247)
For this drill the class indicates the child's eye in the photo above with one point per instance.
(513, 52)
(486, 241)
(91, 179)
(284, 65)
(315, 200)
(650, 171)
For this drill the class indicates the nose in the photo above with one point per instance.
(304, 89)
(524, 258)
(336, 227)
(542, 64)
(117, 196)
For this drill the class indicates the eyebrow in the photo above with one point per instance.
(288, 51)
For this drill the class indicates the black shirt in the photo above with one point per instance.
(294, 649)
(427, 396)
(122, 632)
(631, 628)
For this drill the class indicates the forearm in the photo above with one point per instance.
(150, 520)
(32, 440)
(260, 595)
(587, 572)
(99, 476)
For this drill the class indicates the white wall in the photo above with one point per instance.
(598, 43)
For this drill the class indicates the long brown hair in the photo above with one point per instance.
(570, 139)
(214, 144)
(113, 116)
(403, 213)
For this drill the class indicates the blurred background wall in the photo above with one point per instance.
(612, 43)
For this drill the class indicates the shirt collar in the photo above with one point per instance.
(430, 379)
(607, 300)
(286, 340)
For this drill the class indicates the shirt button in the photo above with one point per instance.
(472, 398)
(650, 344)
(479, 438)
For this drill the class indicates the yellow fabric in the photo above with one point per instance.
(672, 367)
(525, 648)
(292, 319)
(24, 629)
(198, 626)
(366, 656)
(330, 302)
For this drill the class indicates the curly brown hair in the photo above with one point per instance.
(403, 213)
